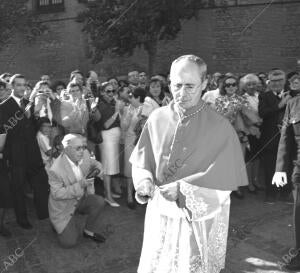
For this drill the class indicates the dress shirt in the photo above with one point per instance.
(76, 169)
(18, 100)
(279, 95)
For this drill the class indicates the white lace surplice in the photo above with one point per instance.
(176, 243)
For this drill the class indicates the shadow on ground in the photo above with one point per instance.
(259, 236)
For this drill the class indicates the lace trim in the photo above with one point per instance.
(196, 205)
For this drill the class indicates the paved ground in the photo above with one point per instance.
(260, 235)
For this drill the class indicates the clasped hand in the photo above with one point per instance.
(170, 191)
(86, 182)
(145, 190)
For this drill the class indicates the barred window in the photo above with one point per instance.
(48, 6)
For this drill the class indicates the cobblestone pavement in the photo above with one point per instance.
(259, 236)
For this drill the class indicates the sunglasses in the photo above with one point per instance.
(110, 91)
(131, 95)
(230, 84)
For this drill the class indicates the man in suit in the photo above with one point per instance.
(23, 153)
(271, 109)
(288, 166)
(71, 192)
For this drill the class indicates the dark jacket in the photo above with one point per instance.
(272, 117)
(21, 148)
(288, 156)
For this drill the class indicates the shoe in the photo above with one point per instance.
(5, 232)
(131, 205)
(238, 194)
(25, 225)
(116, 195)
(95, 237)
(253, 190)
(112, 203)
(258, 188)
(294, 264)
(270, 200)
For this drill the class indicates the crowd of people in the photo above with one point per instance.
(104, 120)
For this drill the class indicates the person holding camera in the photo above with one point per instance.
(74, 112)
(71, 179)
(46, 104)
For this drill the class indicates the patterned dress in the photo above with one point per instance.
(234, 104)
(231, 108)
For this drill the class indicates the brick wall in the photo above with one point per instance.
(219, 36)
(57, 51)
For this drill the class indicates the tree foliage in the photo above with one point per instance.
(119, 26)
(15, 16)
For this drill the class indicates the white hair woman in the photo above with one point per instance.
(249, 85)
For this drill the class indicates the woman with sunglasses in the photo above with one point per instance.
(111, 134)
(129, 120)
(230, 105)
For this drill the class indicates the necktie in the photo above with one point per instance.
(25, 108)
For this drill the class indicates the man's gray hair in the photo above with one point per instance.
(68, 139)
(275, 73)
(196, 60)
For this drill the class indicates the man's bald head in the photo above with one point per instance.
(187, 81)
(190, 60)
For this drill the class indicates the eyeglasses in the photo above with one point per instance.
(189, 88)
(277, 80)
(230, 84)
(74, 91)
(79, 148)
